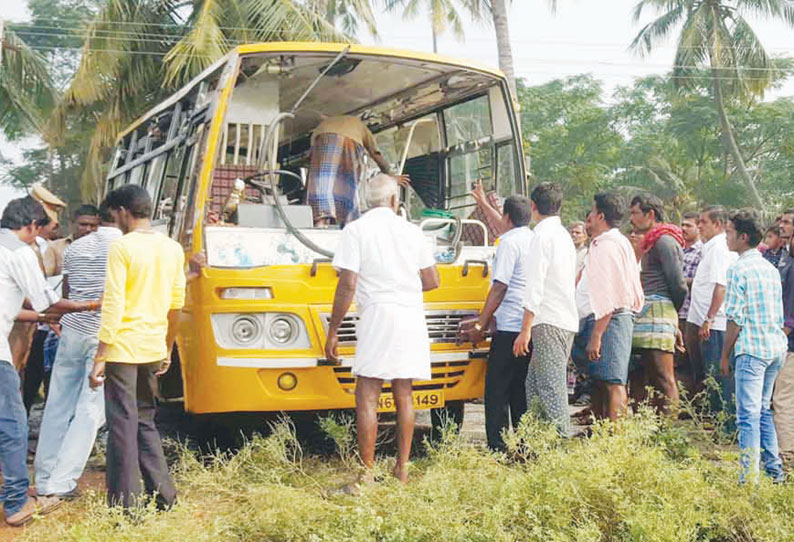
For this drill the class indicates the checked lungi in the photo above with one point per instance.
(337, 166)
(655, 326)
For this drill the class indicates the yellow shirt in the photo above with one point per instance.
(145, 279)
(350, 127)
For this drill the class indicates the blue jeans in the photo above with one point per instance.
(755, 379)
(13, 441)
(72, 416)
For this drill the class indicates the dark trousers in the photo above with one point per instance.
(505, 394)
(134, 448)
(33, 373)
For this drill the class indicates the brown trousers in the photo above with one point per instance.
(134, 447)
(783, 406)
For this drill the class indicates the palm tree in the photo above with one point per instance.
(26, 91)
(346, 14)
(136, 52)
(443, 14)
(716, 35)
(498, 9)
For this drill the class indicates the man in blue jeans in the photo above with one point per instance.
(754, 309)
(74, 412)
(20, 278)
(706, 317)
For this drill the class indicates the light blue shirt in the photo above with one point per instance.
(510, 268)
(754, 302)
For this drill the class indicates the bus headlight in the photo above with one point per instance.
(246, 330)
(260, 331)
(283, 330)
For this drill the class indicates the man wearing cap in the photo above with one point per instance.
(50, 259)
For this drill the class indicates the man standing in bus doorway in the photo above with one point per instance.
(386, 263)
(505, 391)
(550, 317)
(337, 167)
(656, 331)
(144, 295)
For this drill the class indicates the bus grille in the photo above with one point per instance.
(444, 375)
(442, 326)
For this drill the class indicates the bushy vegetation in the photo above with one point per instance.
(642, 480)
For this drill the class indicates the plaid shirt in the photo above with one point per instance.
(754, 302)
(692, 256)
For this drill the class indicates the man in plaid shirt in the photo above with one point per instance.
(693, 252)
(754, 309)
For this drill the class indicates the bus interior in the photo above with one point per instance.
(444, 125)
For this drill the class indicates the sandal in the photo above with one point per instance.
(35, 506)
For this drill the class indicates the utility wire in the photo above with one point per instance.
(85, 29)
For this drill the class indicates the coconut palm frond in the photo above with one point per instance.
(26, 91)
(202, 45)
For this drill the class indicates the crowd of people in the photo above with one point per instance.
(640, 311)
(108, 306)
(94, 316)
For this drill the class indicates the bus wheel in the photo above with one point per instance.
(449, 415)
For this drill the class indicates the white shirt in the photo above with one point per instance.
(20, 278)
(387, 253)
(712, 270)
(551, 278)
(582, 296)
(510, 268)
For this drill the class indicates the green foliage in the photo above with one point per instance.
(653, 136)
(639, 480)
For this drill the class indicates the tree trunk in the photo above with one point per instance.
(502, 29)
(729, 141)
(435, 38)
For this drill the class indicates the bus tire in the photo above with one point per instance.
(451, 413)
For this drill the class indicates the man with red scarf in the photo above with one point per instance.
(656, 327)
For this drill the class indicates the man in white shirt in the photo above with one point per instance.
(550, 316)
(386, 263)
(706, 316)
(21, 277)
(505, 391)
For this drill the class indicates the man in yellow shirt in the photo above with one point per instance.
(144, 294)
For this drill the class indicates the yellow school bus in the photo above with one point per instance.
(225, 161)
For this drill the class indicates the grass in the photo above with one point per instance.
(644, 479)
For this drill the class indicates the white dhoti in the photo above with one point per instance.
(392, 343)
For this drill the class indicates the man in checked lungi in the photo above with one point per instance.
(656, 332)
(339, 145)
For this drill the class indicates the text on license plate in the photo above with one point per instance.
(422, 400)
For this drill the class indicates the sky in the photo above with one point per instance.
(583, 36)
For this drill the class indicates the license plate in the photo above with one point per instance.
(422, 400)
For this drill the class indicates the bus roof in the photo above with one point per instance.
(310, 47)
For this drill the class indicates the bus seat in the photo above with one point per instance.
(223, 178)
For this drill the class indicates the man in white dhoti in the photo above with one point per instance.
(386, 263)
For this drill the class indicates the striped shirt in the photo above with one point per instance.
(84, 264)
(754, 302)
